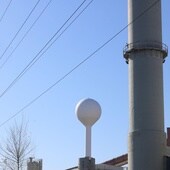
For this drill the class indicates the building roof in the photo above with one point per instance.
(118, 161)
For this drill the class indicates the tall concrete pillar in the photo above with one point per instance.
(145, 55)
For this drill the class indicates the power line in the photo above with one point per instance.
(19, 29)
(24, 36)
(46, 46)
(49, 46)
(5, 11)
(78, 65)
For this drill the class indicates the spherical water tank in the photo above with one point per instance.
(88, 111)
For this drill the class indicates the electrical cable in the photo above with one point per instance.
(46, 47)
(77, 66)
(56, 38)
(5, 11)
(19, 29)
(38, 57)
(24, 36)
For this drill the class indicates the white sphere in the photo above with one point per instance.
(88, 111)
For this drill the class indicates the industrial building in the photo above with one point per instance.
(103, 167)
(34, 164)
(121, 162)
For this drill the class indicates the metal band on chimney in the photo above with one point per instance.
(142, 46)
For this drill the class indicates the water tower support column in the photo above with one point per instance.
(88, 141)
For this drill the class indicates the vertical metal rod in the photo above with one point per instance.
(88, 141)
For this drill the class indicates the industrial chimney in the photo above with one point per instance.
(145, 55)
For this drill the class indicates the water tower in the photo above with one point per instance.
(88, 111)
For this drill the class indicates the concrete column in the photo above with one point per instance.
(145, 54)
(146, 131)
(86, 163)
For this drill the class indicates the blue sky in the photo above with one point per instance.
(57, 135)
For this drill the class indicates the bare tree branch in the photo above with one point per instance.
(16, 148)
